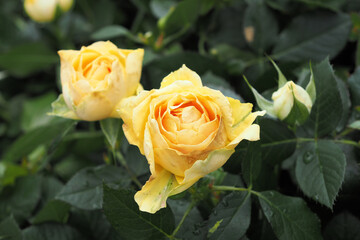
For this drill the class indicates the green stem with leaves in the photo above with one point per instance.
(188, 210)
(122, 161)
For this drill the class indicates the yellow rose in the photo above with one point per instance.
(45, 10)
(284, 99)
(185, 131)
(65, 5)
(41, 10)
(97, 77)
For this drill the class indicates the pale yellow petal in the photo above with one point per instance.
(182, 73)
(41, 10)
(200, 168)
(125, 110)
(67, 55)
(93, 107)
(252, 133)
(103, 47)
(223, 104)
(133, 70)
(241, 126)
(149, 149)
(239, 110)
(155, 192)
(172, 161)
(65, 5)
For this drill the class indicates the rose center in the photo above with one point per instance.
(189, 114)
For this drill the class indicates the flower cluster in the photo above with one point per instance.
(184, 129)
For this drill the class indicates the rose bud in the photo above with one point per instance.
(95, 79)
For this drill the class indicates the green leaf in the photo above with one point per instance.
(110, 32)
(136, 161)
(92, 224)
(50, 186)
(313, 36)
(262, 102)
(327, 111)
(53, 211)
(251, 163)
(60, 109)
(180, 17)
(34, 112)
(311, 88)
(334, 5)
(224, 22)
(320, 170)
(160, 8)
(84, 190)
(215, 82)
(21, 199)
(343, 226)
(345, 103)
(281, 78)
(260, 26)
(9, 172)
(9, 230)
(25, 144)
(298, 114)
(111, 127)
(277, 141)
(277, 144)
(124, 215)
(179, 207)
(355, 125)
(159, 68)
(28, 58)
(289, 217)
(231, 217)
(354, 86)
(51, 231)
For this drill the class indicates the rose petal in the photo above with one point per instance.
(183, 73)
(155, 192)
(94, 106)
(200, 168)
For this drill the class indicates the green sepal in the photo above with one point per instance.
(281, 78)
(298, 114)
(60, 109)
(310, 88)
(262, 102)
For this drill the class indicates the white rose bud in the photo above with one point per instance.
(284, 99)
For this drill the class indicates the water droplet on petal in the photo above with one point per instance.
(215, 212)
(316, 197)
(308, 157)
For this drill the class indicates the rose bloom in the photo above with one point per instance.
(97, 77)
(45, 10)
(284, 99)
(185, 131)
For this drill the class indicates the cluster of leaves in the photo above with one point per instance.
(61, 179)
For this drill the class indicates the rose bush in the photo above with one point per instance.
(96, 78)
(186, 131)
